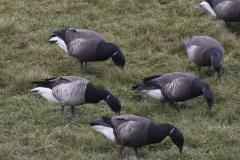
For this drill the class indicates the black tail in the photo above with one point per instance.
(100, 122)
(145, 86)
(61, 34)
(147, 79)
(45, 83)
(49, 83)
(52, 42)
(135, 87)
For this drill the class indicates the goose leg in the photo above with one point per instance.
(136, 152)
(120, 153)
(73, 113)
(228, 24)
(209, 73)
(175, 104)
(81, 63)
(199, 69)
(62, 111)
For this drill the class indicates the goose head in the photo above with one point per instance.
(208, 95)
(113, 103)
(177, 138)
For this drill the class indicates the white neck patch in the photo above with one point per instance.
(208, 7)
(114, 54)
(107, 97)
(171, 131)
(203, 89)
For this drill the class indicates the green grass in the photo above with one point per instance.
(149, 33)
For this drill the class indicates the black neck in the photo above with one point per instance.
(156, 133)
(197, 87)
(105, 50)
(209, 54)
(95, 95)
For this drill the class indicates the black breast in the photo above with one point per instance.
(196, 89)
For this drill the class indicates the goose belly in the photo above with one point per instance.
(107, 131)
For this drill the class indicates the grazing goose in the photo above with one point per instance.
(73, 91)
(134, 131)
(205, 51)
(227, 10)
(86, 46)
(175, 87)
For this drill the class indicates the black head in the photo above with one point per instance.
(216, 63)
(208, 95)
(177, 138)
(117, 56)
(113, 103)
(119, 59)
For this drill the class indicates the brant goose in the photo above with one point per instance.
(227, 10)
(205, 51)
(134, 131)
(73, 91)
(87, 45)
(175, 87)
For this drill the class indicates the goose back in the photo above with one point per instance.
(72, 34)
(74, 78)
(169, 77)
(53, 82)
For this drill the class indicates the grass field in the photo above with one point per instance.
(149, 33)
